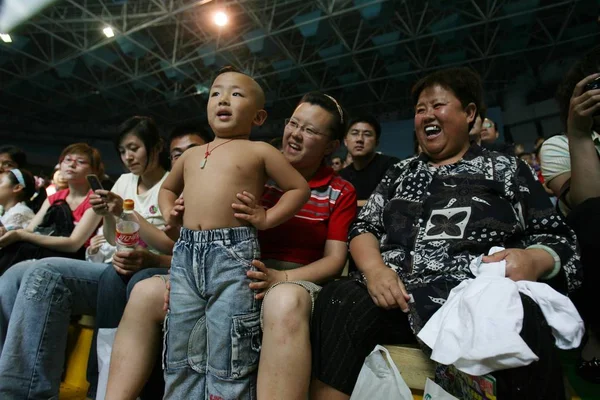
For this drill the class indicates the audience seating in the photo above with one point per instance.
(75, 385)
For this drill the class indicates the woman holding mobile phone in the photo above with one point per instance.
(66, 219)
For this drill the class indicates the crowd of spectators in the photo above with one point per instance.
(282, 222)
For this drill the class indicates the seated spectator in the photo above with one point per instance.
(185, 137)
(571, 167)
(519, 149)
(17, 187)
(143, 153)
(13, 157)
(528, 158)
(58, 182)
(537, 144)
(475, 132)
(489, 138)
(65, 220)
(337, 163)
(71, 287)
(347, 160)
(428, 218)
(368, 166)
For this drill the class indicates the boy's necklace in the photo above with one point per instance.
(208, 152)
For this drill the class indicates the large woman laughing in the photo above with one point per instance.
(428, 218)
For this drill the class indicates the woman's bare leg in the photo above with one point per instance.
(285, 357)
(322, 391)
(137, 340)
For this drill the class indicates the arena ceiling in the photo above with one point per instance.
(61, 68)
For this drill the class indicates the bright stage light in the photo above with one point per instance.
(5, 38)
(221, 18)
(108, 31)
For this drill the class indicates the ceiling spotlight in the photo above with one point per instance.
(5, 38)
(108, 31)
(221, 18)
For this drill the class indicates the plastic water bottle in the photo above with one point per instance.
(128, 228)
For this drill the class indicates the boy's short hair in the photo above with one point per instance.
(328, 103)
(463, 82)
(369, 119)
(92, 154)
(16, 154)
(184, 130)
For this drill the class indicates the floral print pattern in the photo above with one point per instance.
(431, 221)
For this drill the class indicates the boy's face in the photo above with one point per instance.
(234, 105)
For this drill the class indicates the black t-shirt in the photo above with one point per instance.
(366, 180)
(505, 148)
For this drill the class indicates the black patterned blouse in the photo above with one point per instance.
(432, 221)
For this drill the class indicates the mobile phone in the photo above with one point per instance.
(593, 85)
(94, 182)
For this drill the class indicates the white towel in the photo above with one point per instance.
(478, 327)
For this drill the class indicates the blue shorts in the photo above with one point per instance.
(212, 330)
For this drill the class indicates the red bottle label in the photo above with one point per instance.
(128, 239)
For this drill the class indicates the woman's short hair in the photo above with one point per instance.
(328, 103)
(463, 82)
(16, 154)
(29, 189)
(91, 152)
(147, 131)
(588, 65)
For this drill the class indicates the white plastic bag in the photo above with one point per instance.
(106, 337)
(433, 391)
(379, 379)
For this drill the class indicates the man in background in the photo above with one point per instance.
(368, 167)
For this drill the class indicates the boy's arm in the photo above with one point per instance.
(171, 188)
(155, 237)
(297, 191)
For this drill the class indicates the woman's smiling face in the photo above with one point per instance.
(442, 124)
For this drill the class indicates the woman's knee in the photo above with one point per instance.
(287, 306)
(148, 295)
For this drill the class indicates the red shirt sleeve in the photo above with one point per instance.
(343, 214)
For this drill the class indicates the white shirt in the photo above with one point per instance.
(478, 327)
(145, 204)
(17, 217)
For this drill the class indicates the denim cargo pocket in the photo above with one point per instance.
(245, 344)
(197, 351)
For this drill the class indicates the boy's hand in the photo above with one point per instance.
(250, 211)
(175, 217)
(266, 278)
(104, 203)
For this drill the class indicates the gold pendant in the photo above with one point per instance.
(203, 163)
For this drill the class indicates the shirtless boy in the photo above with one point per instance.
(212, 331)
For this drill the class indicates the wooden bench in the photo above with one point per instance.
(414, 366)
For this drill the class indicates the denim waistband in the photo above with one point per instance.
(232, 235)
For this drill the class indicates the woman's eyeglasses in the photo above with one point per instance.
(308, 131)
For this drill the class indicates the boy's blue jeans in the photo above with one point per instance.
(212, 330)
